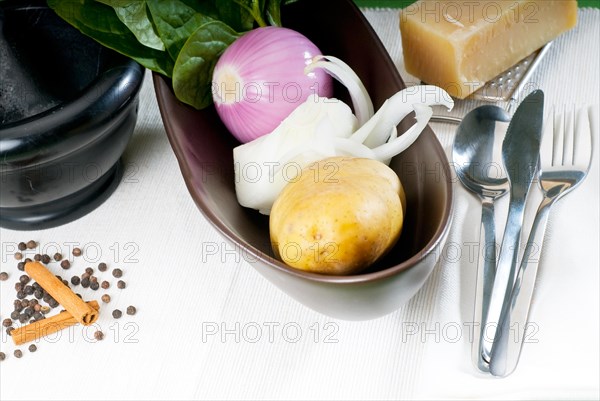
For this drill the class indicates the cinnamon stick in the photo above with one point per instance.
(78, 309)
(45, 327)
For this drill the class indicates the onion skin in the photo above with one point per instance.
(259, 80)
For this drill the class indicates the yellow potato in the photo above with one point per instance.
(339, 217)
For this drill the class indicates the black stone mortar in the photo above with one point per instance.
(68, 107)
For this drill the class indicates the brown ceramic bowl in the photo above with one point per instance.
(203, 147)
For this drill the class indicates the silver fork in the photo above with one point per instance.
(565, 159)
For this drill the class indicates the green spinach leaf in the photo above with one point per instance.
(274, 12)
(134, 14)
(233, 15)
(177, 20)
(256, 8)
(100, 22)
(192, 74)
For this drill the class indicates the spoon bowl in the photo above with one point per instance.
(473, 157)
(473, 148)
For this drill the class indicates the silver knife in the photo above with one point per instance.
(520, 154)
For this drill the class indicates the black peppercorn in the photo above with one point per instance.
(21, 294)
(9, 330)
(7, 322)
(57, 257)
(94, 285)
(23, 318)
(18, 286)
(76, 251)
(18, 255)
(102, 267)
(75, 280)
(38, 316)
(89, 270)
(105, 285)
(85, 282)
(24, 279)
(18, 353)
(31, 244)
(28, 290)
(121, 284)
(22, 246)
(21, 266)
(99, 336)
(65, 264)
(105, 298)
(14, 315)
(37, 257)
(53, 303)
(28, 311)
(46, 259)
(131, 310)
(2, 356)
(117, 314)
(3, 276)
(117, 273)
(38, 294)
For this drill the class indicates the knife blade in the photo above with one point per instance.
(520, 154)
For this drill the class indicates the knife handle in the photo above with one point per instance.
(505, 273)
(506, 349)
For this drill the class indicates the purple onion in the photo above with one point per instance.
(260, 79)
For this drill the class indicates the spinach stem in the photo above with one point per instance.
(259, 20)
(257, 14)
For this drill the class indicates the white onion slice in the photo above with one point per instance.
(401, 143)
(265, 165)
(396, 108)
(361, 101)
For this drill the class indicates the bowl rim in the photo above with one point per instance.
(163, 89)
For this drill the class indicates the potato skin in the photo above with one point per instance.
(339, 217)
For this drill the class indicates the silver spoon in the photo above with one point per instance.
(472, 155)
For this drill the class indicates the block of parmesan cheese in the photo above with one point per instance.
(460, 45)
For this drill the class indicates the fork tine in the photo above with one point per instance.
(582, 146)
(557, 137)
(546, 146)
(568, 135)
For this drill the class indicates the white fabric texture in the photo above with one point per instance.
(210, 327)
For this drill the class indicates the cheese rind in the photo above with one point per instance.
(460, 45)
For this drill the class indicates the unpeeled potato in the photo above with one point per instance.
(339, 217)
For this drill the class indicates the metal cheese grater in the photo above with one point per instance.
(506, 87)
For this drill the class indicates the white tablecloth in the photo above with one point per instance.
(210, 327)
